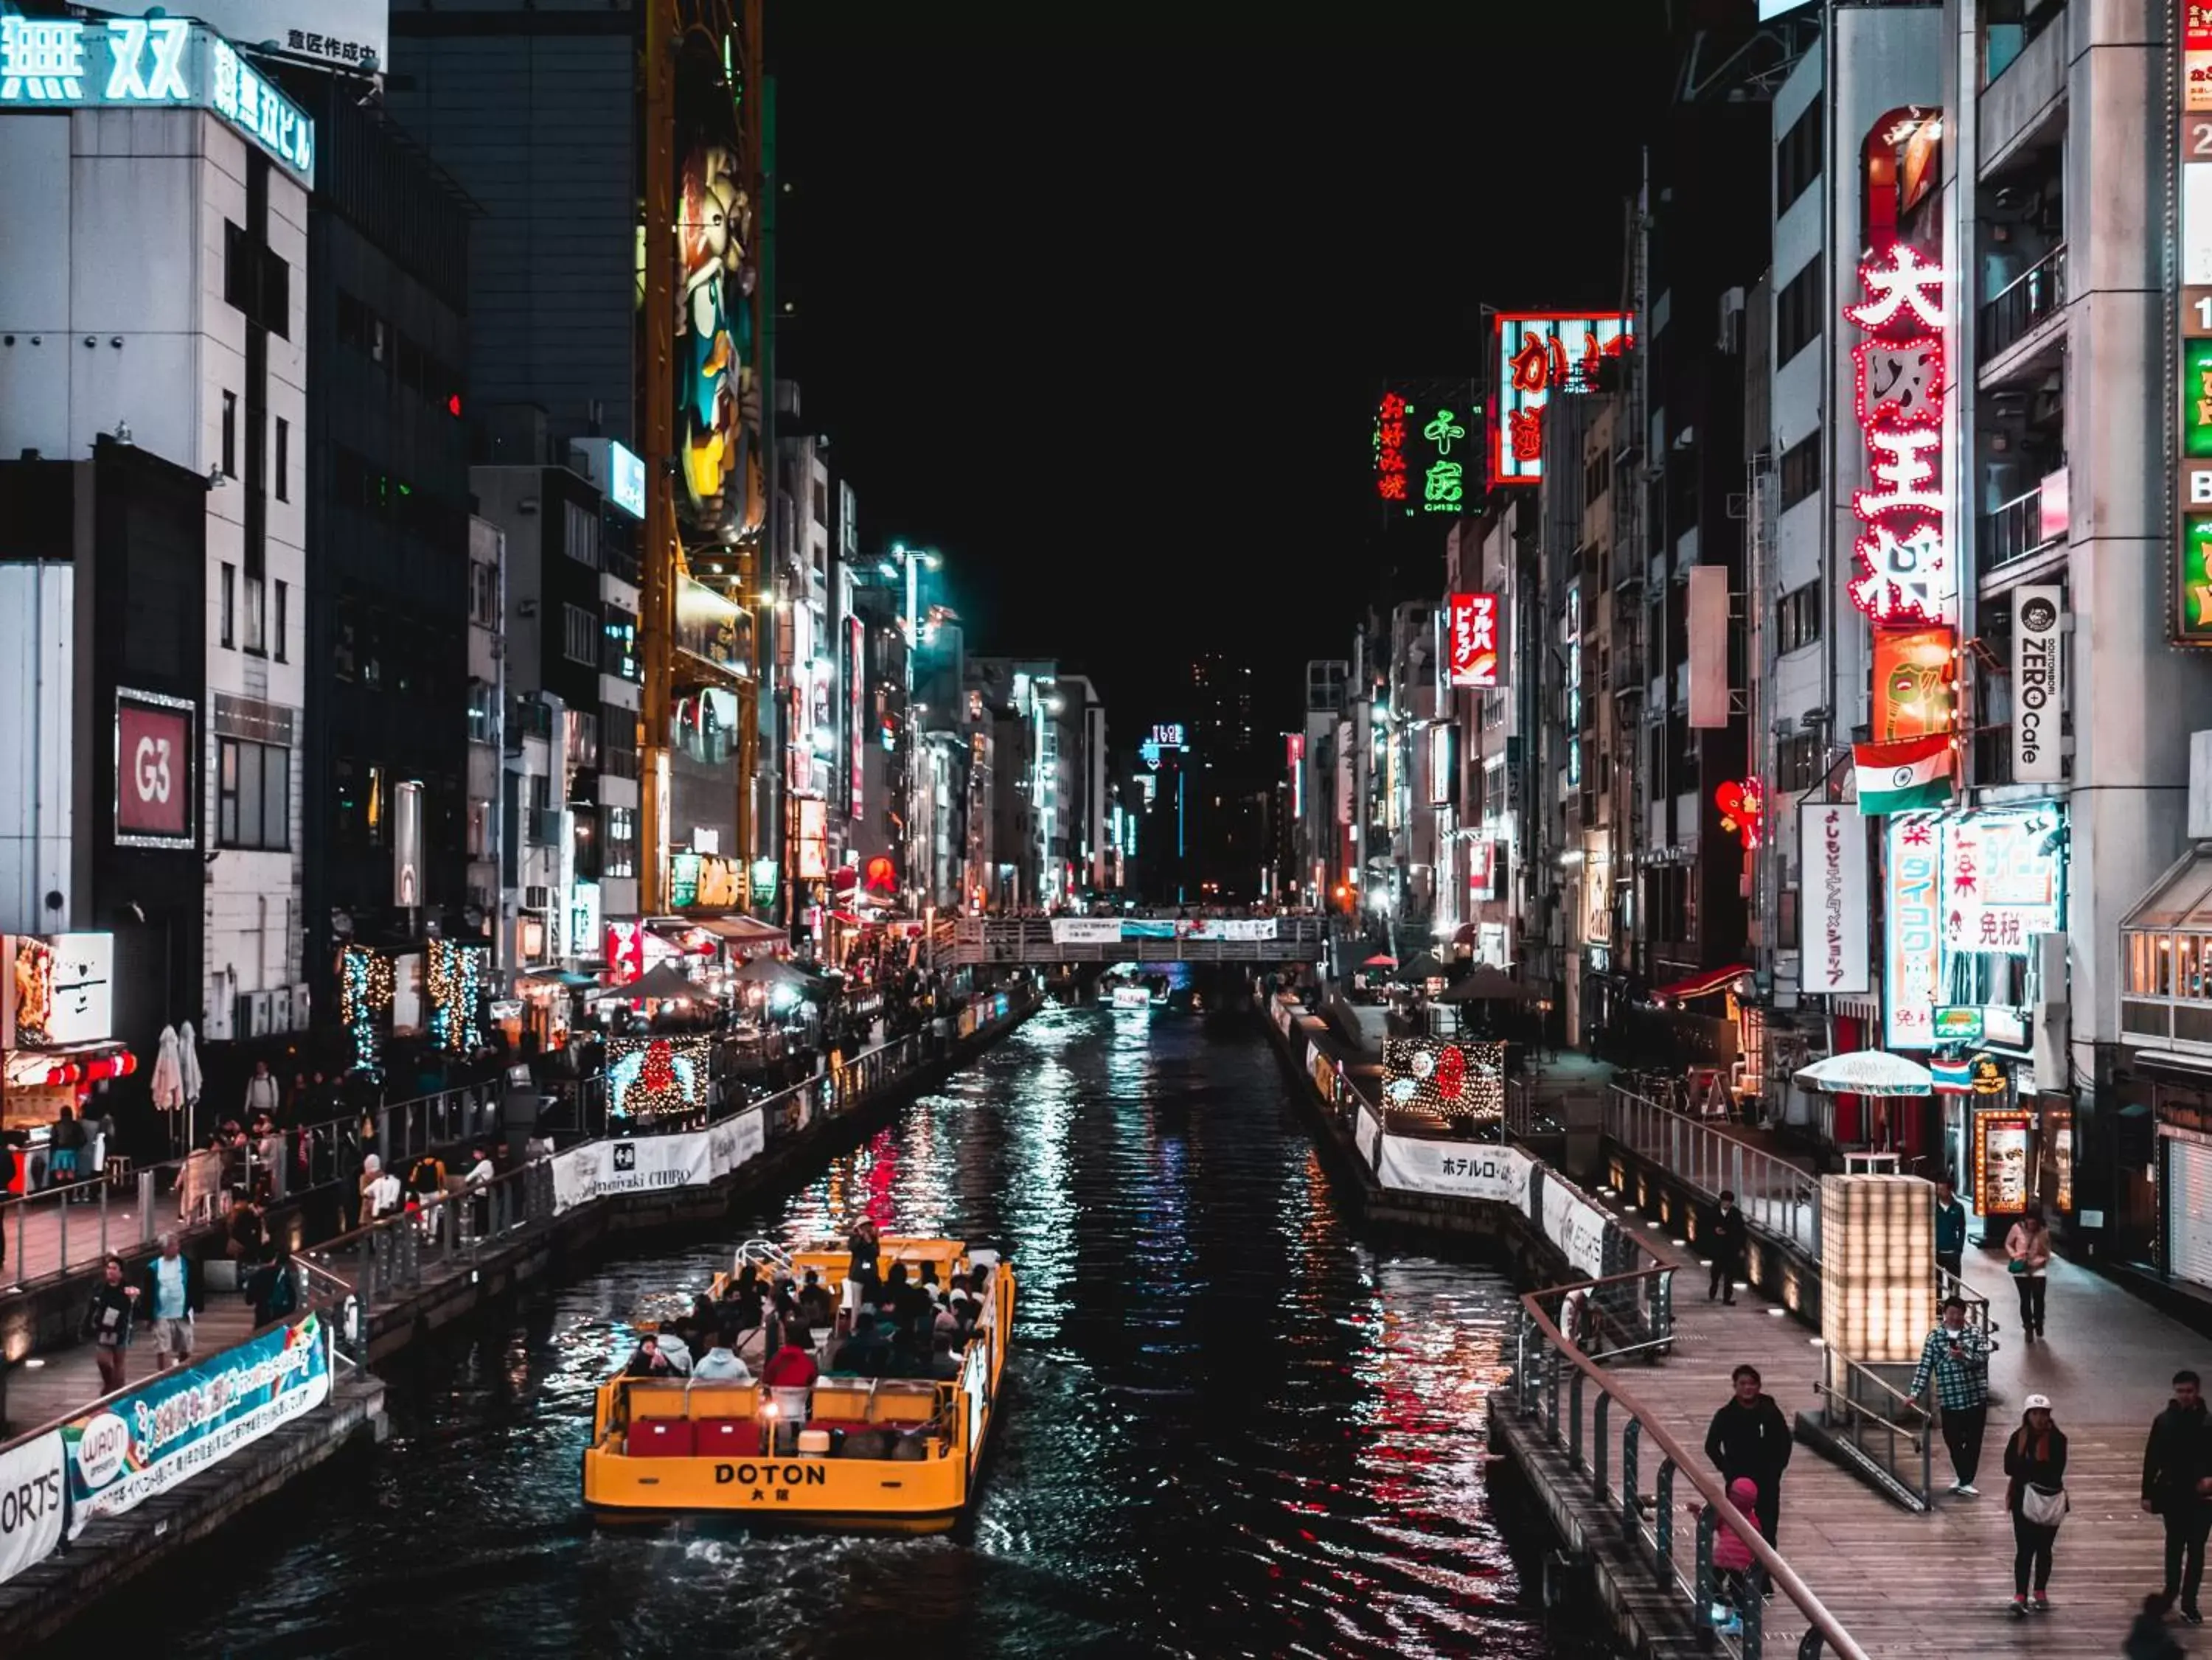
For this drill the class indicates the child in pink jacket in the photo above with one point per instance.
(1732, 1556)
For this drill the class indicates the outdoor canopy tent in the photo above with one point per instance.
(774, 971)
(661, 984)
(1486, 985)
(1867, 1072)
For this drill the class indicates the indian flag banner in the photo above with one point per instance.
(1897, 777)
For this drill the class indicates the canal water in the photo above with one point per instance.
(1235, 1428)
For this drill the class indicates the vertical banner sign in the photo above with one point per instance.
(1914, 972)
(1709, 647)
(2188, 590)
(1471, 622)
(1294, 745)
(1343, 774)
(1427, 446)
(2037, 697)
(1907, 573)
(156, 742)
(1831, 845)
(1481, 868)
(1542, 355)
(1913, 693)
(856, 711)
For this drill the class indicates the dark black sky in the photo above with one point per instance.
(1096, 300)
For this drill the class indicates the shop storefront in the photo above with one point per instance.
(1975, 978)
(2160, 1134)
(57, 1044)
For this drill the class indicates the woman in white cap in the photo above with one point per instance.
(2035, 1460)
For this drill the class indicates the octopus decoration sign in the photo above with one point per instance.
(1463, 1082)
(718, 394)
(657, 1077)
(1906, 572)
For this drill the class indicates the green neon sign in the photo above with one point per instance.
(2197, 397)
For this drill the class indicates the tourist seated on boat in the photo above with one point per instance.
(816, 1307)
(944, 1364)
(678, 1351)
(793, 1367)
(721, 1364)
(646, 1360)
(865, 1353)
(946, 1323)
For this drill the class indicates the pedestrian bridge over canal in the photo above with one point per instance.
(1131, 938)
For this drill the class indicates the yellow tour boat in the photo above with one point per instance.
(664, 1446)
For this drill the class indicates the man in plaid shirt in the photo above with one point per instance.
(1958, 1357)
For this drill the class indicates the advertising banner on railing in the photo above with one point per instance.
(748, 1136)
(1188, 928)
(185, 1420)
(1459, 1170)
(1087, 931)
(575, 1176)
(650, 1163)
(1574, 1224)
(32, 1482)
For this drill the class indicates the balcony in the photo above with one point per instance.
(2032, 299)
(2018, 529)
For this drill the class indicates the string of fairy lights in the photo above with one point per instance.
(364, 985)
(454, 977)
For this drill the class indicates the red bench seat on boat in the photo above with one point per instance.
(660, 1438)
(727, 1438)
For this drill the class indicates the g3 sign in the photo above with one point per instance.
(155, 747)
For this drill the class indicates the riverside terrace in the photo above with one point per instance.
(378, 1289)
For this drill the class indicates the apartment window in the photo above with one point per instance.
(284, 616)
(230, 607)
(253, 792)
(275, 311)
(580, 535)
(1797, 313)
(1597, 475)
(582, 738)
(230, 435)
(1800, 469)
(1797, 763)
(821, 505)
(483, 712)
(1797, 623)
(284, 459)
(1797, 157)
(256, 616)
(620, 858)
(579, 635)
(483, 596)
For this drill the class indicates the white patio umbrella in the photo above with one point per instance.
(168, 1083)
(1867, 1072)
(188, 1063)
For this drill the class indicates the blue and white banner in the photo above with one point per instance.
(184, 1421)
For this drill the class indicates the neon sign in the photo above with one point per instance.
(1423, 447)
(1471, 621)
(1743, 810)
(1907, 573)
(48, 63)
(1541, 355)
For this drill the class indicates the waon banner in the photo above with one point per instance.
(156, 741)
(1471, 630)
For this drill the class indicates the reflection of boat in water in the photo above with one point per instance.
(897, 1454)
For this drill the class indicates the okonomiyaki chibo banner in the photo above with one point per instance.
(649, 1164)
(185, 1420)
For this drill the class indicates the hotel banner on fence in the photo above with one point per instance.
(185, 1420)
(1832, 849)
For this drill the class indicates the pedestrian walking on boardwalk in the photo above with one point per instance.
(1750, 1440)
(2177, 1487)
(2028, 1245)
(2035, 1460)
(1727, 1250)
(107, 1322)
(1957, 1358)
(1950, 1231)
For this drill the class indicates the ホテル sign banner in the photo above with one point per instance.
(1459, 1170)
(185, 1420)
(32, 1482)
(1832, 851)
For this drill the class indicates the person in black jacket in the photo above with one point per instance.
(107, 1322)
(2035, 1457)
(2177, 1486)
(1750, 1438)
(1727, 1250)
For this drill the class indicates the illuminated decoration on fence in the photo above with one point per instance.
(1424, 444)
(1908, 574)
(1471, 628)
(1743, 810)
(364, 994)
(453, 975)
(657, 1077)
(1463, 1082)
(1541, 355)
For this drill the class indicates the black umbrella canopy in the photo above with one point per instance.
(662, 983)
(773, 971)
(1423, 967)
(1487, 984)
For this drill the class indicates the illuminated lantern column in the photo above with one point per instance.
(1877, 1238)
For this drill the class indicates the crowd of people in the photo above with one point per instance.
(899, 1324)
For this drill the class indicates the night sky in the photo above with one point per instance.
(1096, 299)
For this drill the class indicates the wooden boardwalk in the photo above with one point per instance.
(1941, 1584)
(51, 1385)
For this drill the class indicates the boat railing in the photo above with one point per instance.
(1606, 1435)
(764, 1253)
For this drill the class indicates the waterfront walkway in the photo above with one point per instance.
(1941, 1584)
